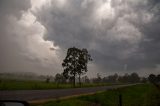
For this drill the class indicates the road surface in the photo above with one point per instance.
(33, 95)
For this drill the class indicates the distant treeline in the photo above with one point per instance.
(154, 78)
(59, 78)
(126, 78)
(115, 78)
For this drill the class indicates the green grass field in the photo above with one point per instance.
(33, 85)
(138, 95)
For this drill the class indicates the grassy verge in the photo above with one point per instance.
(33, 85)
(138, 95)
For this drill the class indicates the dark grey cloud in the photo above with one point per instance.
(151, 44)
(116, 32)
(13, 7)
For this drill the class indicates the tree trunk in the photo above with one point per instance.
(74, 80)
(57, 84)
(79, 80)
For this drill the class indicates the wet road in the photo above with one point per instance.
(31, 95)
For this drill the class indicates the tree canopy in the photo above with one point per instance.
(75, 63)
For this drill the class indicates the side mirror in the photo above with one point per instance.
(13, 103)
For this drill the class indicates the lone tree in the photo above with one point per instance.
(75, 63)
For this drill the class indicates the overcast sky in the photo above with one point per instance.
(122, 36)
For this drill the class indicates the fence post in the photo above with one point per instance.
(120, 100)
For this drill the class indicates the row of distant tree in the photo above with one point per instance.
(115, 78)
(60, 78)
(127, 78)
(154, 78)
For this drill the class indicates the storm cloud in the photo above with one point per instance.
(21, 40)
(116, 32)
(121, 35)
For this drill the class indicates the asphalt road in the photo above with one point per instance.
(31, 95)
